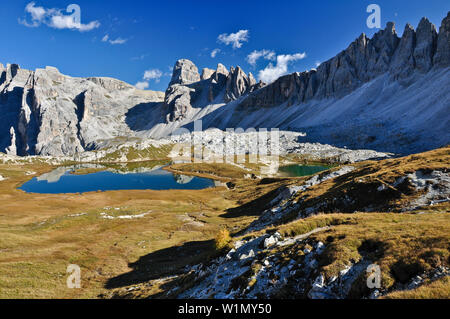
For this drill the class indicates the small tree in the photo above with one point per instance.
(223, 239)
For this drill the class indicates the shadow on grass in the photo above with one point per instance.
(256, 206)
(164, 262)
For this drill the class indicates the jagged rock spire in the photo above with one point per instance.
(442, 56)
(184, 72)
(206, 74)
(426, 37)
(364, 60)
(402, 64)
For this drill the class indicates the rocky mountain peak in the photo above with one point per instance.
(362, 40)
(426, 37)
(206, 73)
(425, 25)
(221, 69)
(11, 70)
(238, 84)
(386, 40)
(220, 74)
(46, 112)
(184, 72)
(442, 57)
(390, 28)
(110, 84)
(187, 88)
(363, 60)
(402, 64)
(52, 69)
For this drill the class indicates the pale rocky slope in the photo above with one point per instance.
(45, 112)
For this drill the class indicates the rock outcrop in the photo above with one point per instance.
(442, 56)
(426, 37)
(47, 113)
(206, 74)
(188, 90)
(12, 149)
(403, 63)
(178, 102)
(184, 72)
(217, 82)
(238, 84)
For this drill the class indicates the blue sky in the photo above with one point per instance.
(124, 39)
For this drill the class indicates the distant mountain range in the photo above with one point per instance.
(385, 93)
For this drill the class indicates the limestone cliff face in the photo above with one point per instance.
(45, 112)
(365, 59)
(442, 56)
(188, 90)
(238, 84)
(426, 40)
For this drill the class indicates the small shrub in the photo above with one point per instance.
(435, 257)
(223, 239)
(404, 269)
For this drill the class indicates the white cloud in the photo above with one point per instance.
(54, 18)
(118, 41)
(37, 13)
(68, 22)
(152, 74)
(273, 72)
(140, 57)
(142, 85)
(317, 64)
(235, 39)
(214, 53)
(255, 55)
(106, 38)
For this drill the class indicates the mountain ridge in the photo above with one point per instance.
(47, 113)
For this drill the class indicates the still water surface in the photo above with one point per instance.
(61, 180)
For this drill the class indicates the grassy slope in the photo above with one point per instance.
(439, 289)
(38, 238)
(403, 244)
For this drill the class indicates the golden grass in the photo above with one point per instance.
(217, 171)
(439, 289)
(361, 185)
(403, 245)
(40, 234)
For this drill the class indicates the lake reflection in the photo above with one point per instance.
(63, 180)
